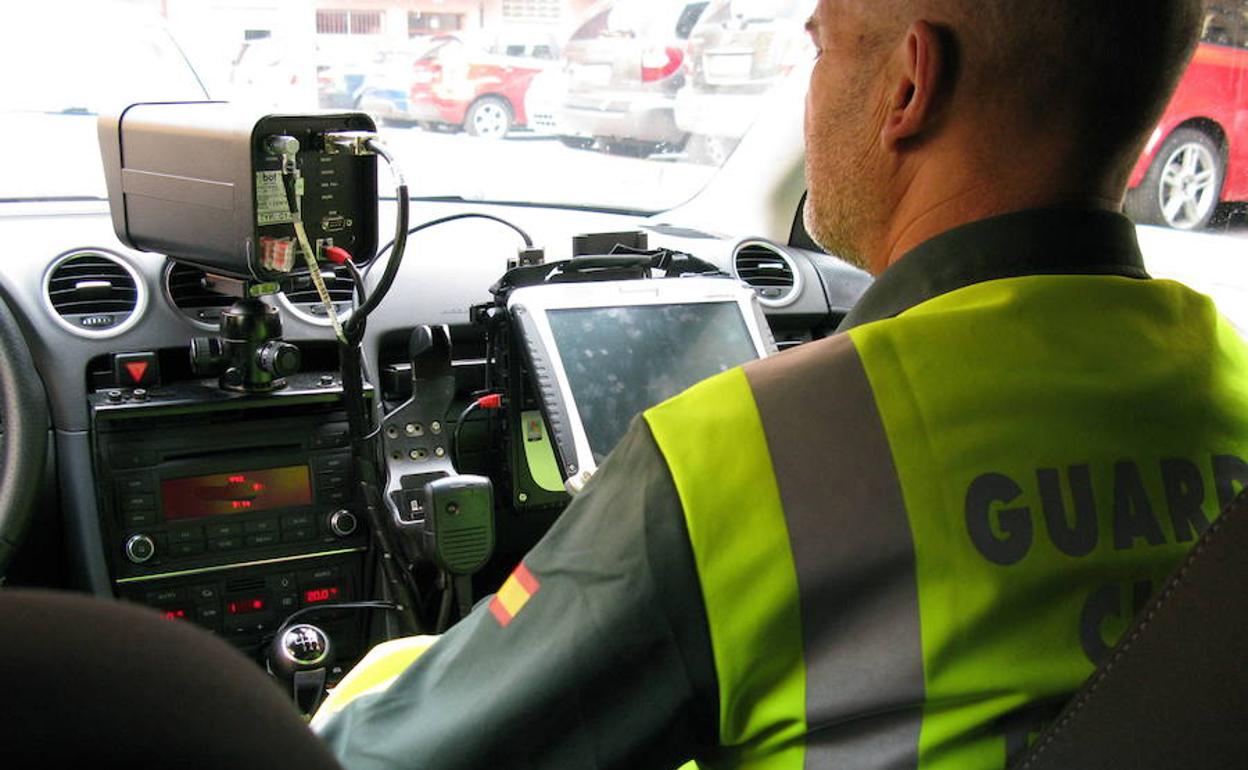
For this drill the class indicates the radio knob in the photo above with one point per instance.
(140, 548)
(343, 523)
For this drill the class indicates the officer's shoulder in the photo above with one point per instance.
(716, 399)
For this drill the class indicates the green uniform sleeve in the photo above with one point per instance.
(606, 665)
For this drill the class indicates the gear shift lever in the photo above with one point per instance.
(301, 656)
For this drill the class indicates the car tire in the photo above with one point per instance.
(489, 117)
(1183, 184)
(576, 142)
(628, 148)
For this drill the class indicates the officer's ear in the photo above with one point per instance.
(915, 96)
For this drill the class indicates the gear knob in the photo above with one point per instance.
(300, 656)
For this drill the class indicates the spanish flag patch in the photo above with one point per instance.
(515, 593)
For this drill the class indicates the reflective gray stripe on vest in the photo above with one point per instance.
(854, 556)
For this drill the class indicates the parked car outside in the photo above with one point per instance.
(737, 52)
(457, 85)
(337, 84)
(1198, 155)
(274, 73)
(624, 66)
(543, 104)
(383, 88)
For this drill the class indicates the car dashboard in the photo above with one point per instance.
(137, 435)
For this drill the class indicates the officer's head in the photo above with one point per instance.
(944, 111)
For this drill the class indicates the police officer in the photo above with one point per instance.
(904, 545)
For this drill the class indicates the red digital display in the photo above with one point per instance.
(245, 606)
(173, 614)
(225, 493)
(318, 595)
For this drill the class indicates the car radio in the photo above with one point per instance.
(230, 510)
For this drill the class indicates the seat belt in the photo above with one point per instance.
(1174, 692)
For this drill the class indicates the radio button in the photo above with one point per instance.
(138, 518)
(136, 502)
(226, 544)
(135, 484)
(128, 457)
(329, 439)
(287, 603)
(224, 530)
(299, 535)
(297, 521)
(284, 582)
(140, 548)
(163, 596)
(263, 525)
(186, 534)
(264, 538)
(193, 548)
(332, 480)
(333, 463)
(336, 496)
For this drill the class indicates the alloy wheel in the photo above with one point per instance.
(1188, 186)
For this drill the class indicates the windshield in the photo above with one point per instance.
(560, 102)
(631, 105)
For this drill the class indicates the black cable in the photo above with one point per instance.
(399, 243)
(448, 599)
(463, 592)
(369, 605)
(361, 295)
(528, 242)
(459, 425)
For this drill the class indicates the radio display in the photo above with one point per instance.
(220, 494)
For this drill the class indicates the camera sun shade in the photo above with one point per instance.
(205, 183)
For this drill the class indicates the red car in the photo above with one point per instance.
(453, 85)
(1198, 155)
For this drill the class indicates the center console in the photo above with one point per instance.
(232, 510)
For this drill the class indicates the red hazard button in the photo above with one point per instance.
(136, 370)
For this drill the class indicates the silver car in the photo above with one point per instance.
(624, 67)
(737, 52)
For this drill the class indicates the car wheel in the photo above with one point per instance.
(1183, 184)
(489, 117)
(629, 148)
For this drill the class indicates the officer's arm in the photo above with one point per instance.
(597, 655)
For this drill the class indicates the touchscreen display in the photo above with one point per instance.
(243, 492)
(620, 361)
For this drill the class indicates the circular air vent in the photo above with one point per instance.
(306, 303)
(770, 271)
(185, 288)
(94, 293)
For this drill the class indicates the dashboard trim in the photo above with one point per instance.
(239, 565)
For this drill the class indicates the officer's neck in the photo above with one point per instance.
(946, 189)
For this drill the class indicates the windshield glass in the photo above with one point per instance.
(631, 105)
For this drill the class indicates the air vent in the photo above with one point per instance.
(307, 304)
(187, 292)
(769, 271)
(94, 293)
